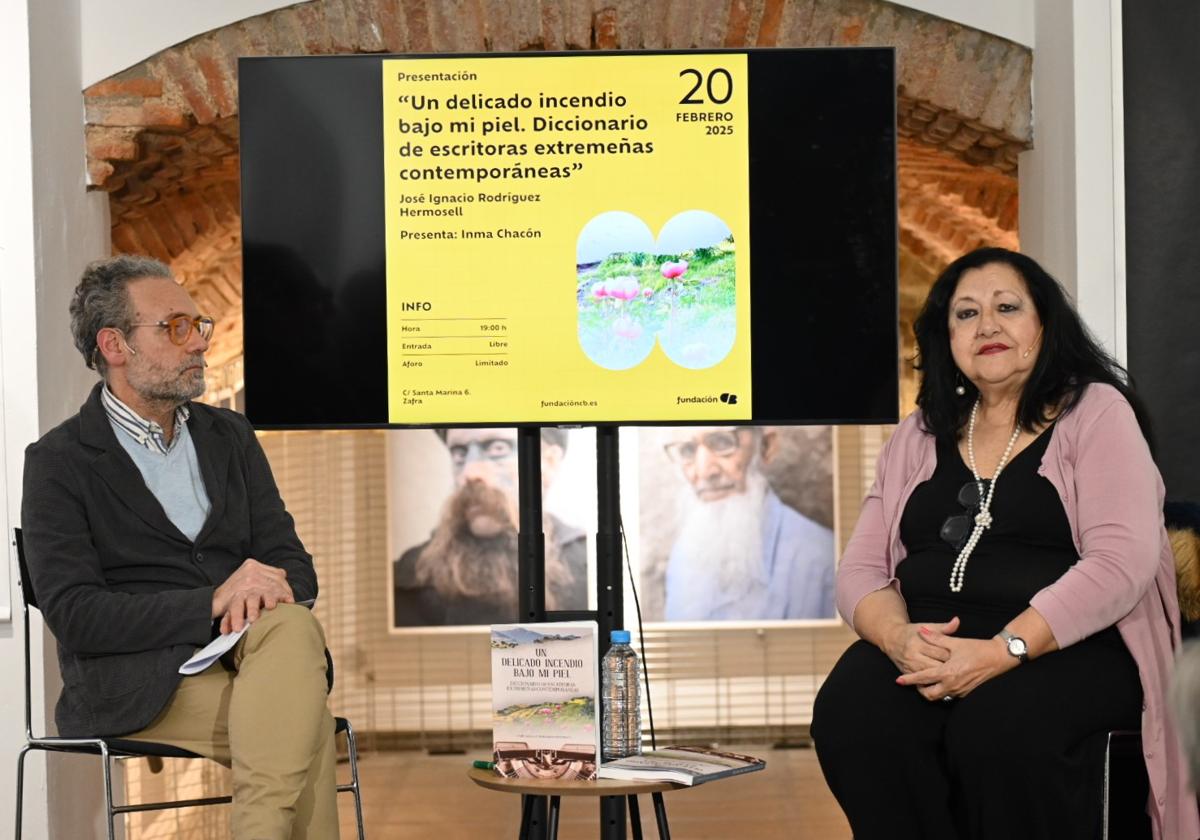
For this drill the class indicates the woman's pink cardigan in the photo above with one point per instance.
(1112, 492)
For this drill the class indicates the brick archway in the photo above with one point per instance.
(162, 136)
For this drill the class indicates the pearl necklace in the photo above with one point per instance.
(983, 519)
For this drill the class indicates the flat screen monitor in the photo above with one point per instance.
(570, 239)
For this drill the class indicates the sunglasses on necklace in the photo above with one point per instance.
(958, 526)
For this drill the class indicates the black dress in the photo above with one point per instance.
(1020, 756)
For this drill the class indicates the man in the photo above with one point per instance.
(147, 519)
(741, 552)
(466, 573)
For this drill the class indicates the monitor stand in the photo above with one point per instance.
(531, 578)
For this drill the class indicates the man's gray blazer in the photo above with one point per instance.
(126, 594)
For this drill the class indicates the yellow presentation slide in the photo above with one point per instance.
(568, 238)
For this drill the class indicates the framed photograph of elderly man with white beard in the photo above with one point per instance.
(452, 533)
(736, 523)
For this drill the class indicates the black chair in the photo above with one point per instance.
(1126, 788)
(1124, 766)
(119, 748)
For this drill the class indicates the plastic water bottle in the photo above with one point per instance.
(621, 723)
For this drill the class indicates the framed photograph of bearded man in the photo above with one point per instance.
(452, 531)
(736, 523)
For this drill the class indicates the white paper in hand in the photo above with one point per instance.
(219, 646)
(211, 652)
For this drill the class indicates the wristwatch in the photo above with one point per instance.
(1016, 645)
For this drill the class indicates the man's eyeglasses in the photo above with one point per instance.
(958, 526)
(179, 329)
(493, 449)
(722, 442)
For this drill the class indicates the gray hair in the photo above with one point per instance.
(102, 300)
(1185, 698)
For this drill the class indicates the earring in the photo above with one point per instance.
(960, 388)
(1029, 349)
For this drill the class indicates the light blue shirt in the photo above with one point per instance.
(172, 473)
(798, 568)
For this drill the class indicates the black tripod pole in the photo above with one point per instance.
(531, 541)
(531, 579)
(609, 587)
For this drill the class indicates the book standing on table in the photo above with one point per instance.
(544, 687)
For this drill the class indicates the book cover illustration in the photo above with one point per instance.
(544, 686)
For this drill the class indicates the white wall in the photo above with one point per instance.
(51, 228)
(1072, 185)
(1011, 19)
(120, 33)
(71, 225)
(18, 385)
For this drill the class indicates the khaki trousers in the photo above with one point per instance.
(261, 710)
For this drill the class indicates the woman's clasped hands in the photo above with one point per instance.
(941, 666)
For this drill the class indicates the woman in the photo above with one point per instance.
(1011, 582)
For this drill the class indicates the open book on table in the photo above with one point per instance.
(682, 765)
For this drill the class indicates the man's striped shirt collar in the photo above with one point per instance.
(146, 432)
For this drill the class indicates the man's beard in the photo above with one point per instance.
(459, 564)
(720, 544)
(160, 385)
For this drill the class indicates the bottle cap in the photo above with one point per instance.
(620, 637)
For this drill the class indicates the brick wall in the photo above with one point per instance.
(162, 135)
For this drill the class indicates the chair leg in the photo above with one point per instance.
(108, 797)
(552, 829)
(20, 787)
(1104, 794)
(352, 751)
